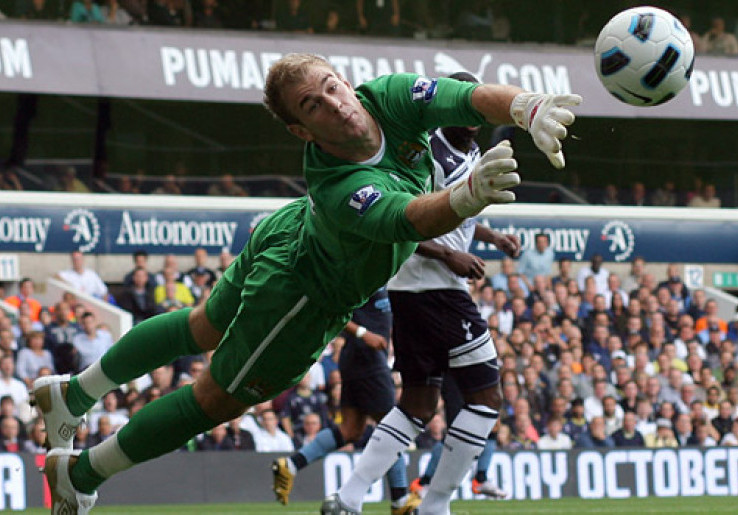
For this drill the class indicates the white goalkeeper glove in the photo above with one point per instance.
(544, 117)
(487, 182)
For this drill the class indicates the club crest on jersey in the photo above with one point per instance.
(424, 89)
(362, 199)
(411, 153)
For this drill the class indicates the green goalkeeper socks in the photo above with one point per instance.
(158, 428)
(149, 345)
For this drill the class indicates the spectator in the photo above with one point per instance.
(637, 195)
(225, 259)
(628, 435)
(663, 437)
(33, 358)
(292, 16)
(138, 299)
(226, 187)
(379, 17)
(114, 14)
(637, 269)
(25, 295)
(91, 342)
(594, 269)
(171, 13)
(104, 431)
(207, 18)
(8, 409)
(172, 293)
(301, 401)
(555, 439)
(201, 267)
(705, 435)
(731, 439)
(614, 290)
(162, 382)
(537, 260)
(723, 422)
(242, 439)
(83, 279)
(35, 444)
(718, 41)
(595, 436)
(707, 198)
(15, 388)
(576, 423)
(61, 331)
(140, 260)
(523, 430)
(711, 318)
(9, 181)
(10, 438)
(683, 430)
(85, 11)
(613, 414)
(169, 184)
(269, 438)
(37, 10)
(311, 426)
(644, 413)
(217, 439)
(117, 417)
(564, 274)
(665, 195)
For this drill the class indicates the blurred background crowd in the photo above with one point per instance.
(588, 358)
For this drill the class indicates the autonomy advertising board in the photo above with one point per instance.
(244, 477)
(37, 228)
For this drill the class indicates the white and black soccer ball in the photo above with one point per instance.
(644, 56)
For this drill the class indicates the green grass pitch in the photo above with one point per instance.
(672, 505)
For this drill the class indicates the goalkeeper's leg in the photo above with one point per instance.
(149, 345)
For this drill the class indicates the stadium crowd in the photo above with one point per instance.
(573, 22)
(588, 359)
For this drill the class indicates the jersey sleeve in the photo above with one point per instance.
(372, 208)
(426, 103)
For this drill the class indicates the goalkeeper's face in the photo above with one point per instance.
(327, 109)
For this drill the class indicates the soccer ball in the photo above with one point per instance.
(644, 56)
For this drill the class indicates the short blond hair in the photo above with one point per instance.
(288, 71)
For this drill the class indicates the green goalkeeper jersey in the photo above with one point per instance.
(356, 234)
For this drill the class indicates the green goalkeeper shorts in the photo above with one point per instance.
(273, 331)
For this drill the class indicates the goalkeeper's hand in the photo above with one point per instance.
(487, 183)
(544, 116)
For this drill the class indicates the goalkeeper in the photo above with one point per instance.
(305, 267)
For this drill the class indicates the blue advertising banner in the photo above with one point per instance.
(115, 224)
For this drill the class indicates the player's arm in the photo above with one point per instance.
(372, 339)
(507, 243)
(464, 264)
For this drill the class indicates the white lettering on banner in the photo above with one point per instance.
(13, 477)
(665, 473)
(223, 68)
(554, 477)
(25, 230)
(733, 470)
(16, 58)
(591, 475)
(720, 85)
(527, 476)
(640, 460)
(612, 459)
(691, 477)
(614, 474)
(715, 475)
(187, 233)
(541, 79)
(172, 61)
(562, 239)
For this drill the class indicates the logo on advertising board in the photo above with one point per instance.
(258, 217)
(621, 238)
(85, 226)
